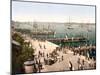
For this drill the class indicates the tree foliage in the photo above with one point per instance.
(20, 55)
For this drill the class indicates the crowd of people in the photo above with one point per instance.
(41, 58)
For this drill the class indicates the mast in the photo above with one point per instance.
(69, 24)
(88, 28)
(35, 28)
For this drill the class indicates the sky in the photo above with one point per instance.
(44, 12)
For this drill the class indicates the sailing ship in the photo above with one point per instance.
(69, 25)
(88, 27)
(44, 32)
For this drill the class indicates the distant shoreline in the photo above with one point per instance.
(53, 22)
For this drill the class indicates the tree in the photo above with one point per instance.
(20, 55)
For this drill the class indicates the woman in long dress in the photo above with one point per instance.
(70, 66)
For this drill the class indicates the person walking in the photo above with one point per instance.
(62, 58)
(39, 66)
(70, 66)
(79, 63)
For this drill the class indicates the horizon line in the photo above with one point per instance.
(54, 22)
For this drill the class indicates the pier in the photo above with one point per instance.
(79, 39)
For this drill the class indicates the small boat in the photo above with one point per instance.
(70, 28)
(89, 30)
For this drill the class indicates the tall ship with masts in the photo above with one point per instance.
(69, 25)
(43, 32)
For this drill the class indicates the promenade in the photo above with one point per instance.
(46, 47)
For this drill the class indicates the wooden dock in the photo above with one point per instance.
(67, 39)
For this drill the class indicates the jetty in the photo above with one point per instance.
(78, 39)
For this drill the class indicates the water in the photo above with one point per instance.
(62, 30)
(77, 31)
